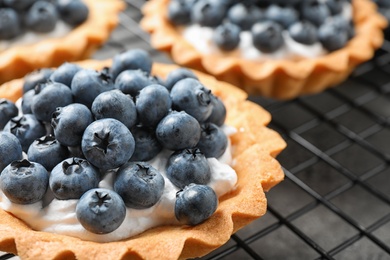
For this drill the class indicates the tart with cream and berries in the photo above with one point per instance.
(173, 177)
(280, 49)
(38, 34)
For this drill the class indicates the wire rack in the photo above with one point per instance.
(335, 200)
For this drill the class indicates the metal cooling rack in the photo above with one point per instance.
(335, 200)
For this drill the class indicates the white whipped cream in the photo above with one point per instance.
(201, 38)
(59, 216)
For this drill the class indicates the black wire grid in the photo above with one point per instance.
(335, 200)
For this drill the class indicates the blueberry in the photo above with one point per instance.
(48, 96)
(24, 182)
(72, 12)
(213, 141)
(100, 211)
(47, 151)
(188, 166)
(64, 74)
(303, 32)
(227, 36)
(27, 100)
(107, 143)
(267, 36)
(19, 5)
(131, 60)
(179, 12)
(69, 123)
(34, 78)
(26, 128)
(208, 13)
(178, 130)
(331, 37)
(335, 6)
(132, 81)
(146, 143)
(285, 16)
(153, 103)
(115, 104)
(10, 24)
(8, 110)
(87, 84)
(218, 113)
(178, 74)
(315, 12)
(343, 24)
(72, 177)
(10, 149)
(41, 17)
(244, 15)
(195, 203)
(191, 96)
(139, 184)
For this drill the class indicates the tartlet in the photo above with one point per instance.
(254, 148)
(282, 79)
(78, 44)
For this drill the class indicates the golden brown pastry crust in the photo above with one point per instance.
(78, 44)
(254, 148)
(282, 79)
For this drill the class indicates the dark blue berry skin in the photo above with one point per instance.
(315, 12)
(244, 16)
(115, 104)
(100, 211)
(24, 182)
(8, 110)
(27, 100)
(10, 149)
(131, 60)
(227, 36)
(87, 84)
(213, 141)
(188, 166)
(152, 104)
(36, 77)
(72, 12)
(69, 123)
(19, 5)
(72, 177)
(342, 24)
(64, 74)
(335, 6)
(132, 81)
(146, 143)
(41, 17)
(303, 32)
(139, 184)
(208, 13)
(178, 130)
(193, 97)
(176, 75)
(47, 151)
(331, 37)
(267, 36)
(218, 113)
(195, 203)
(10, 24)
(26, 128)
(48, 96)
(285, 16)
(179, 12)
(107, 144)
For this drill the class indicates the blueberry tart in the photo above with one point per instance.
(38, 34)
(280, 49)
(137, 160)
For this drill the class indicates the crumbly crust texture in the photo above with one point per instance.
(281, 79)
(254, 149)
(78, 44)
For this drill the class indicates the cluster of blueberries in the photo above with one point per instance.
(41, 16)
(307, 22)
(78, 124)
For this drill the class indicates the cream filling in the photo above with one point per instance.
(201, 38)
(59, 216)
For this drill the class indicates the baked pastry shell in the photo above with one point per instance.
(78, 44)
(254, 147)
(281, 79)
